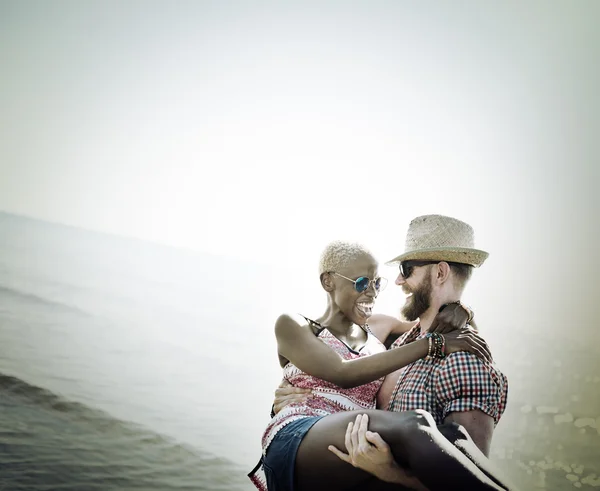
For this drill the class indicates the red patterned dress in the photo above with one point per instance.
(327, 397)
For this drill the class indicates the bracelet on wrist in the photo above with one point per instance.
(437, 346)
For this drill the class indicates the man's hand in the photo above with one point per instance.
(369, 452)
(286, 394)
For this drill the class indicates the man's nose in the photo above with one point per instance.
(400, 280)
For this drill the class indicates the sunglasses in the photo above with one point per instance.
(407, 267)
(362, 283)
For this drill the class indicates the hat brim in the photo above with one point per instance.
(474, 257)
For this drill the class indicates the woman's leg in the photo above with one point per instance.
(415, 442)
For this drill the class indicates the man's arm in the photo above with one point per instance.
(286, 394)
(472, 393)
(479, 426)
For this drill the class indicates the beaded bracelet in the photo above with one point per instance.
(430, 337)
(437, 346)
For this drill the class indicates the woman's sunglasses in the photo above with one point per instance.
(407, 267)
(363, 283)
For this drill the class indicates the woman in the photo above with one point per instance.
(344, 364)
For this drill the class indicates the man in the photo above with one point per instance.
(434, 268)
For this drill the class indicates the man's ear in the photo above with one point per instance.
(442, 272)
(327, 282)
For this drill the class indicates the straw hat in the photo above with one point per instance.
(440, 238)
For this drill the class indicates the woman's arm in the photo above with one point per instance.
(383, 325)
(297, 343)
(452, 317)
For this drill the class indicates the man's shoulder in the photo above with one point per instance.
(465, 359)
(463, 365)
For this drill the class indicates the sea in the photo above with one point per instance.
(128, 365)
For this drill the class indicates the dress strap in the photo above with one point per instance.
(315, 323)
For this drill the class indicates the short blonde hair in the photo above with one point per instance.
(339, 253)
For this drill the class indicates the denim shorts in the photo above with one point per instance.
(280, 462)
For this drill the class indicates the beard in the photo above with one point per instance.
(419, 301)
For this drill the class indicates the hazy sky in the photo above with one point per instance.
(265, 129)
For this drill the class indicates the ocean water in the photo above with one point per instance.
(128, 365)
(123, 366)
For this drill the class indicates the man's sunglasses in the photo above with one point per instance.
(362, 283)
(407, 267)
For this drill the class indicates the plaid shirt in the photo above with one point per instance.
(456, 383)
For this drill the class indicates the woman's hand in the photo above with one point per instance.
(369, 452)
(454, 316)
(467, 339)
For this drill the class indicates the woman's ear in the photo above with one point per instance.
(327, 282)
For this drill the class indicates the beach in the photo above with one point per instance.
(129, 365)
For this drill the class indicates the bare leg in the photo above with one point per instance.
(415, 442)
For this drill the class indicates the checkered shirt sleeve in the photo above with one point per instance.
(465, 382)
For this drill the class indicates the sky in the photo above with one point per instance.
(263, 130)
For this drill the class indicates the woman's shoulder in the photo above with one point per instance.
(291, 319)
(287, 322)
